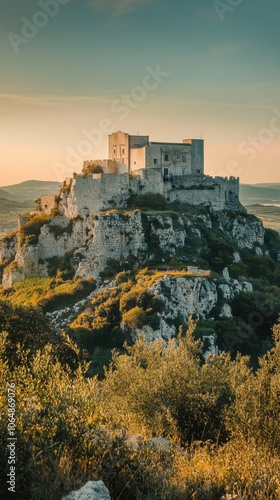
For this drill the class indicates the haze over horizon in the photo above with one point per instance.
(170, 71)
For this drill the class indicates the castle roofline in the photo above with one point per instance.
(172, 143)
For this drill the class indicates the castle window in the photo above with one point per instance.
(183, 171)
(184, 158)
(166, 157)
(198, 171)
(155, 161)
(122, 160)
(135, 163)
(122, 151)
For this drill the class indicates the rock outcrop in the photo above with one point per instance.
(201, 298)
(118, 235)
(247, 231)
(92, 490)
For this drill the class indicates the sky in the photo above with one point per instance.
(73, 71)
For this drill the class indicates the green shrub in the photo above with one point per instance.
(272, 241)
(29, 232)
(92, 168)
(72, 428)
(134, 318)
(66, 186)
(149, 200)
(256, 408)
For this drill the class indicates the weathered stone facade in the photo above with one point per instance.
(137, 152)
(137, 166)
(47, 203)
(96, 192)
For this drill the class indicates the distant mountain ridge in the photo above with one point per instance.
(4, 195)
(29, 190)
(263, 194)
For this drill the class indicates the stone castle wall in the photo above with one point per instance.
(90, 195)
(219, 192)
(47, 203)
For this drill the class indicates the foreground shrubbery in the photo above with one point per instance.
(220, 421)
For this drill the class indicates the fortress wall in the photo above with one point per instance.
(89, 195)
(217, 191)
(109, 166)
(115, 190)
(151, 181)
(215, 197)
(47, 203)
(233, 185)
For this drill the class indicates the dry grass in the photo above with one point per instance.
(150, 276)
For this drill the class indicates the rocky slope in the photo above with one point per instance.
(180, 297)
(186, 251)
(90, 242)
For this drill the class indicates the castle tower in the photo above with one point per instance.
(120, 145)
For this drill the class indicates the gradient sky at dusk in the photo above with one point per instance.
(223, 83)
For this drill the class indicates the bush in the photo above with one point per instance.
(272, 241)
(149, 200)
(256, 408)
(127, 429)
(165, 391)
(29, 232)
(134, 318)
(92, 168)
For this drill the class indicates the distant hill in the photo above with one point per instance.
(30, 190)
(262, 194)
(19, 198)
(5, 195)
(269, 185)
(270, 215)
(9, 212)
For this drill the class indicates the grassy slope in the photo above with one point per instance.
(46, 292)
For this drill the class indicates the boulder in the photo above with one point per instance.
(92, 490)
(226, 311)
(226, 275)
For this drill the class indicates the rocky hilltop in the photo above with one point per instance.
(145, 266)
(43, 242)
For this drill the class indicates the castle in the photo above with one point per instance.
(137, 166)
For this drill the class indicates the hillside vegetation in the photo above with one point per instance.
(162, 424)
(154, 420)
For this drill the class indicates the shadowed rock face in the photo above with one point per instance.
(92, 490)
(244, 231)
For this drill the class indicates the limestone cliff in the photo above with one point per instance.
(201, 298)
(89, 242)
